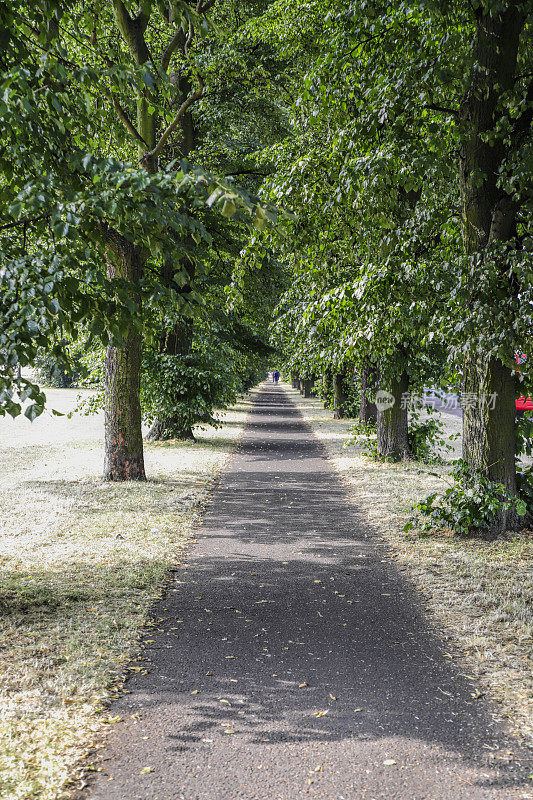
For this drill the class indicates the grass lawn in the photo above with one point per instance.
(478, 593)
(80, 564)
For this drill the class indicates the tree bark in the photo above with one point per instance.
(294, 380)
(489, 428)
(326, 386)
(368, 412)
(392, 429)
(307, 386)
(123, 454)
(489, 215)
(339, 395)
(123, 444)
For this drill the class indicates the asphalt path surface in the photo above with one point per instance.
(291, 658)
(447, 402)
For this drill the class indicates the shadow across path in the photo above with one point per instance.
(291, 658)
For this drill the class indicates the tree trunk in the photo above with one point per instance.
(489, 392)
(123, 458)
(326, 386)
(489, 215)
(392, 430)
(294, 380)
(164, 429)
(307, 386)
(368, 412)
(339, 396)
(133, 32)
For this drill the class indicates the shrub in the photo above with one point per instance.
(425, 437)
(467, 506)
(50, 373)
(186, 388)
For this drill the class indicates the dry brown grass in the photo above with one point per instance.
(479, 593)
(80, 563)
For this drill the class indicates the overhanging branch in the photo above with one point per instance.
(24, 221)
(130, 127)
(150, 156)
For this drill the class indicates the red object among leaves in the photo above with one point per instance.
(523, 403)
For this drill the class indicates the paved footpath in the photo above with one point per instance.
(292, 659)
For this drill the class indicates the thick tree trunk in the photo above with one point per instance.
(133, 31)
(489, 392)
(489, 215)
(307, 386)
(368, 412)
(164, 429)
(327, 379)
(392, 429)
(339, 396)
(123, 459)
(295, 380)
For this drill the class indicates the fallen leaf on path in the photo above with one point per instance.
(389, 762)
(321, 713)
(145, 770)
(332, 696)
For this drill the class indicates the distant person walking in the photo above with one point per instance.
(276, 376)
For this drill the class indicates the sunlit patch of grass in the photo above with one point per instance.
(81, 562)
(478, 592)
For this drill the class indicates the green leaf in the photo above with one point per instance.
(32, 411)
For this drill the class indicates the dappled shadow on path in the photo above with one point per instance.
(290, 626)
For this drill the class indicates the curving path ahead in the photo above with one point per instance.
(293, 660)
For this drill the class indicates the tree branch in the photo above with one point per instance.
(177, 40)
(248, 172)
(435, 107)
(132, 31)
(143, 15)
(123, 19)
(24, 221)
(151, 155)
(130, 127)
